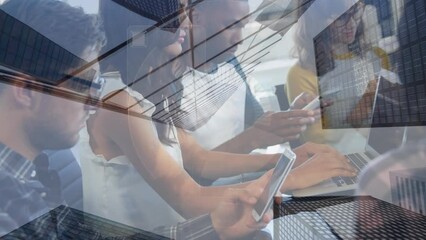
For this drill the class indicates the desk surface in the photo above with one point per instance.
(345, 218)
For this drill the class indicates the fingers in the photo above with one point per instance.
(342, 173)
(252, 192)
(326, 148)
(323, 166)
(319, 148)
(291, 122)
(332, 163)
(263, 180)
(294, 114)
(289, 127)
(341, 165)
(326, 103)
(278, 199)
(290, 131)
(305, 96)
(302, 100)
(269, 215)
(247, 196)
(317, 113)
(256, 225)
(345, 168)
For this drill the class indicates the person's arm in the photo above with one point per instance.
(299, 81)
(315, 163)
(303, 81)
(244, 142)
(270, 129)
(137, 139)
(232, 219)
(213, 165)
(317, 168)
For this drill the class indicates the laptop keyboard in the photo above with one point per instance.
(358, 161)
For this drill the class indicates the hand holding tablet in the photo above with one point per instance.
(282, 168)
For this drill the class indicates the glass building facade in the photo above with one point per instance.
(25, 50)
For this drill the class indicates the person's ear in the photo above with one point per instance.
(23, 95)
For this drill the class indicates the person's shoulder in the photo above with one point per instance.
(297, 71)
(121, 97)
(379, 52)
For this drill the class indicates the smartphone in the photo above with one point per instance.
(314, 104)
(282, 168)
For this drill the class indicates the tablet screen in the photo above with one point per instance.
(281, 170)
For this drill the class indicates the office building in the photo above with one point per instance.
(409, 189)
(27, 51)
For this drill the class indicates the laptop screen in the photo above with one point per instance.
(385, 137)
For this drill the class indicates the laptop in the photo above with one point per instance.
(379, 141)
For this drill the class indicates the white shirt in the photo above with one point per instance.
(114, 189)
(217, 100)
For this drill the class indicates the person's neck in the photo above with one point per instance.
(13, 135)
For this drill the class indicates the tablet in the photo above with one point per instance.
(282, 168)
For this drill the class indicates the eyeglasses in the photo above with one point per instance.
(75, 88)
(93, 88)
(355, 13)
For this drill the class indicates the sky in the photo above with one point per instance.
(89, 6)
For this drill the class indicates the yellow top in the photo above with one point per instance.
(301, 80)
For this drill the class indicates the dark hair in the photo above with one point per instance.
(135, 64)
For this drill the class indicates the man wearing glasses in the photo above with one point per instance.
(42, 108)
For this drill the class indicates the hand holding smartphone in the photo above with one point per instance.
(282, 168)
(314, 104)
